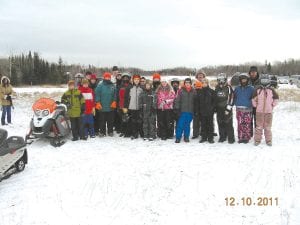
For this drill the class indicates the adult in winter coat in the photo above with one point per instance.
(6, 92)
(196, 116)
(106, 104)
(205, 107)
(75, 103)
(264, 99)
(132, 105)
(184, 105)
(165, 99)
(242, 100)
(224, 103)
(88, 116)
(124, 130)
(147, 103)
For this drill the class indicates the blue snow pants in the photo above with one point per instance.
(183, 125)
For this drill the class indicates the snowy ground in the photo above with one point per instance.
(117, 181)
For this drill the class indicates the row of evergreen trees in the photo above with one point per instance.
(32, 70)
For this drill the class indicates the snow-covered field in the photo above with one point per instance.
(117, 181)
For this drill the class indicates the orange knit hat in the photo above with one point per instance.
(107, 75)
(156, 76)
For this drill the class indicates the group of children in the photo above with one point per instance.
(134, 106)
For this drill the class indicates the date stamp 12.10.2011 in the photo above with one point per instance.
(252, 201)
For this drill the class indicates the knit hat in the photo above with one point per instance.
(71, 82)
(198, 84)
(93, 77)
(136, 76)
(200, 72)
(187, 80)
(156, 76)
(84, 81)
(253, 69)
(115, 68)
(107, 75)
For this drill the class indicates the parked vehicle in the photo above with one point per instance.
(283, 81)
(295, 79)
(13, 154)
(49, 121)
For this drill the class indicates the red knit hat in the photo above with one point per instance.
(93, 77)
(107, 75)
(156, 76)
(136, 76)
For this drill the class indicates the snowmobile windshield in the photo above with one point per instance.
(43, 104)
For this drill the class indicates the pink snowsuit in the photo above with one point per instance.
(264, 99)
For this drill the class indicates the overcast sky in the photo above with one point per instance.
(152, 34)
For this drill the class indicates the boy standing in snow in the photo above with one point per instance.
(184, 105)
(124, 130)
(106, 104)
(242, 100)
(196, 116)
(75, 103)
(132, 106)
(87, 118)
(264, 100)
(205, 108)
(224, 103)
(148, 106)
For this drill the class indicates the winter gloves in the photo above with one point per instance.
(113, 105)
(98, 106)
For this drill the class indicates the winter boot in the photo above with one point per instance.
(269, 143)
(186, 139)
(177, 141)
(256, 143)
(211, 141)
(203, 140)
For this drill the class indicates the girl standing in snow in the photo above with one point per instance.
(242, 100)
(264, 100)
(165, 98)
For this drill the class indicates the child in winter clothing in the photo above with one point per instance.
(132, 106)
(76, 105)
(165, 99)
(124, 130)
(196, 116)
(264, 100)
(147, 103)
(224, 103)
(184, 105)
(205, 107)
(6, 91)
(87, 118)
(106, 104)
(242, 101)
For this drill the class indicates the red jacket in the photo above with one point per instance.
(89, 98)
(121, 96)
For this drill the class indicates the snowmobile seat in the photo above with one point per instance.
(12, 143)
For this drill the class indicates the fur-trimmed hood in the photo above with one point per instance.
(5, 77)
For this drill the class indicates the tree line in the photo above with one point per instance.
(31, 69)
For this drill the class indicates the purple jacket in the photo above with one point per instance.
(264, 99)
(165, 98)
